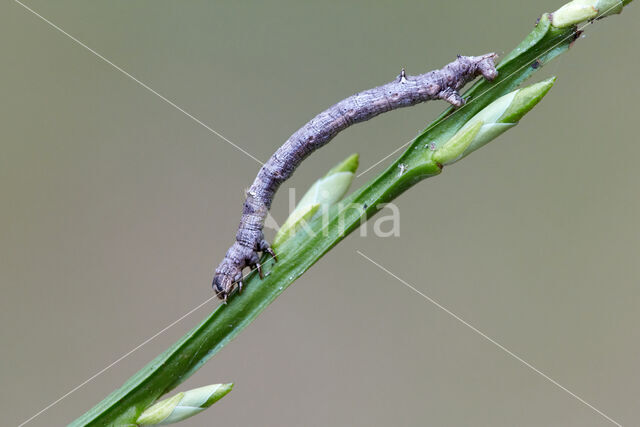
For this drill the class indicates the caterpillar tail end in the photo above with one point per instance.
(487, 66)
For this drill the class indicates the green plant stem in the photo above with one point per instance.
(300, 252)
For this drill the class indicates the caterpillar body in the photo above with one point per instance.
(404, 91)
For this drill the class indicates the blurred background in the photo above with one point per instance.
(116, 208)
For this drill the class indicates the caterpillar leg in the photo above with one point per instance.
(257, 266)
(452, 97)
(405, 91)
(263, 247)
(484, 65)
(229, 273)
(266, 247)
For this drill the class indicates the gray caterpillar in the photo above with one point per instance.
(405, 91)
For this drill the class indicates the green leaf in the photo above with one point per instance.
(299, 253)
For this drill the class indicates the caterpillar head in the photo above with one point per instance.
(224, 282)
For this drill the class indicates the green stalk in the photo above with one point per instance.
(301, 251)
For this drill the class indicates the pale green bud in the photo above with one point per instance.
(325, 192)
(297, 220)
(183, 405)
(525, 99)
(453, 149)
(487, 133)
(159, 411)
(350, 164)
(579, 11)
(495, 119)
